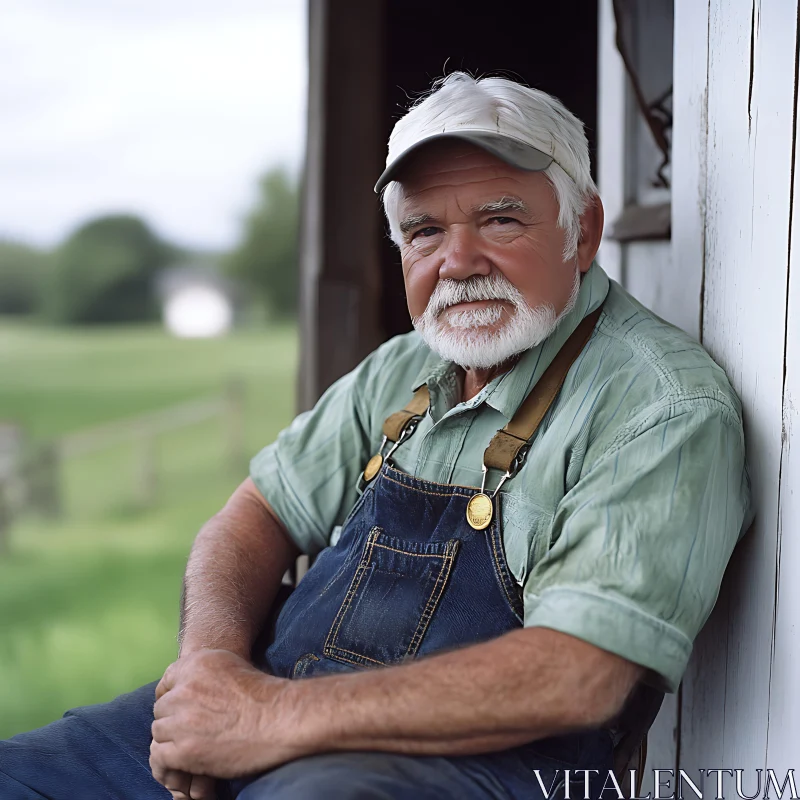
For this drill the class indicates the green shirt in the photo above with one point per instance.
(633, 495)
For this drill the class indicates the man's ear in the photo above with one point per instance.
(591, 232)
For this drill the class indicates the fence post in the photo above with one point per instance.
(5, 517)
(12, 445)
(44, 480)
(234, 422)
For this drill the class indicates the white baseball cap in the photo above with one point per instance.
(534, 153)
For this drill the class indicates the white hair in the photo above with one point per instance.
(521, 110)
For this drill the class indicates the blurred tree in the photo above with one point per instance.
(22, 272)
(104, 272)
(267, 257)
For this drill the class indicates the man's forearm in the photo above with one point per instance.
(526, 685)
(233, 573)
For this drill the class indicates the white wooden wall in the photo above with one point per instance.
(648, 271)
(733, 279)
(739, 694)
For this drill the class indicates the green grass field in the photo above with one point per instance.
(89, 602)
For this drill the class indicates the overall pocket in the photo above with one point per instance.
(391, 600)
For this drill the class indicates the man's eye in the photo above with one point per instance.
(502, 220)
(425, 232)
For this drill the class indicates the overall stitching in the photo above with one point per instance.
(507, 582)
(504, 576)
(335, 651)
(417, 484)
(433, 600)
(302, 664)
(354, 584)
(508, 585)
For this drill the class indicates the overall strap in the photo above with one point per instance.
(507, 443)
(395, 424)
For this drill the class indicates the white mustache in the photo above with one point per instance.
(450, 292)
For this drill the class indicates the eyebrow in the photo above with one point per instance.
(505, 203)
(412, 220)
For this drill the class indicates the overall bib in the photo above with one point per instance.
(410, 577)
(419, 568)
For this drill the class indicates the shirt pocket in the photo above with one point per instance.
(391, 600)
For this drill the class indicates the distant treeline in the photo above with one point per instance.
(105, 270)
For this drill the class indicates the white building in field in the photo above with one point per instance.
(195, 302)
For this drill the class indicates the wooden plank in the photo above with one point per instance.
(784, 706)
(312, 204)
(611, 111)
(648, 267)
(345, 154)
(662, 741)
(681, 298)
(681, 293)
(751, 68)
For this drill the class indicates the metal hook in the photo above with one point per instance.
(516, 465)
(409, 428)
(505, 477)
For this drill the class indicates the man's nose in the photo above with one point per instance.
(463, 255)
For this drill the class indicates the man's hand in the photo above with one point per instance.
(217, 715)
(183, 785)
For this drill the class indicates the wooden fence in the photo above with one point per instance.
(35, 481)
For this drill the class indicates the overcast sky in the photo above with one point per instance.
(166, 108)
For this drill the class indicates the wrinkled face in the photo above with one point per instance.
(482, 254)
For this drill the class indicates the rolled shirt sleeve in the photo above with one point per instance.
(640, 543)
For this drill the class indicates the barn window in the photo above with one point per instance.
(644, 33)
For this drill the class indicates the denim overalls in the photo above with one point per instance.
(409, 577)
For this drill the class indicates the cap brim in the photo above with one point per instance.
(512, 151)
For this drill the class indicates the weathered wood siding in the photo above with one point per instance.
(783, 742)
(731, 278)
(339, 283)
(733, 164)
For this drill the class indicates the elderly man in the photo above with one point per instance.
(543, 526)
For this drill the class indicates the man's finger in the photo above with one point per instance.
(163, 759)
(161, 730)
(168, 680)
(203, 788)
(178, 782)
(158, 769)
(168, 704)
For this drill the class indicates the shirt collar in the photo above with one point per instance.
(507, 391)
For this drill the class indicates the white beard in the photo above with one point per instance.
(468, 338)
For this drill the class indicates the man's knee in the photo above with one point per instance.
(92, 751)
